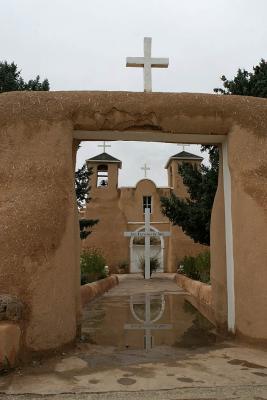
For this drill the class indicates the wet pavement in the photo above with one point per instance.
(145, 321)
(140, 339)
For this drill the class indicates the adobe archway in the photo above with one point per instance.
(39, 243)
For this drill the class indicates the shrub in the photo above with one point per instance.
(154, 264)
(197, 268)
(92, 266)
(123, 267)
(188, 268)
(203, 266)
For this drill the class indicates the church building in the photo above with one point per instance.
(121, 209)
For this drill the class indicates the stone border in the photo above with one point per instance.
(200, 291)
(92, 290)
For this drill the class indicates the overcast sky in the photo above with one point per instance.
(83, 44)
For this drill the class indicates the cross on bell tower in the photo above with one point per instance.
(183, 145)
(104, 145)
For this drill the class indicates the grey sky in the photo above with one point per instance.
(82, 45)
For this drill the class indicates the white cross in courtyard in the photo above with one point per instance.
(147, 324)
(147, 62)
(104, 145)
(145, 168)
(183, 145)
(147, 234)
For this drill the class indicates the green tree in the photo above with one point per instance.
(11, 80)
(193, 214)
(247, 83)
(82, 188)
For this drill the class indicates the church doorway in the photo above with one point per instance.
(137, 250)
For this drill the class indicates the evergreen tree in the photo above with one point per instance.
(247, 83)
(82, 188)
(193, 214)
(11, 80)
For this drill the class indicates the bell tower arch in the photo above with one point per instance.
(105, 174)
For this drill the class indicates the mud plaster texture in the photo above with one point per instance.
(92, 290)
(201, 295)
(201, 291)
(117, 206)
(39, 237)
(9, 344)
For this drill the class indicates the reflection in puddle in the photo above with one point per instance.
(145, 321)
(151, 308)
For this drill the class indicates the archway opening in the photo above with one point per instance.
(224, 298)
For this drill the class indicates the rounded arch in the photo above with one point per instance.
(145, 180)
(153, 229)
(161, 312)
(102, 167)
(131, 245)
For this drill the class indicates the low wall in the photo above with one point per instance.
(94, 289)
(201, 295)
(200, 291)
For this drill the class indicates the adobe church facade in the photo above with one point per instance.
(121, 209)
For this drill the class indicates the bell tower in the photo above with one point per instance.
(104, 179)
(175, 181)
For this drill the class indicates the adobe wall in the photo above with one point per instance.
(90, 291)
(248, 165)
(115, 207)
(131, 201)
(181, 245)
(38, 238)
(39, 219)
(108, 232)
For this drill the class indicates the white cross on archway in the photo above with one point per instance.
(145, 168)
(104, 145)
(147, 234)
(147, 62)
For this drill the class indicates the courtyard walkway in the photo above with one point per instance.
(186, 361)
(135, 283)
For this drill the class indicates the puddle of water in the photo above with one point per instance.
(246, 364)
(145, 321)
